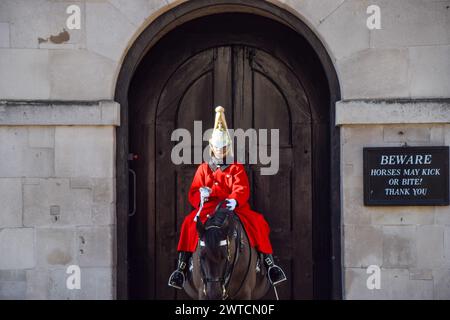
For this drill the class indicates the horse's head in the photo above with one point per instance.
(216, 252)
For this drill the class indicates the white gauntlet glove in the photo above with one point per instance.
(231, 204)
(204, 193)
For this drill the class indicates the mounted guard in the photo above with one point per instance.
(223, 179)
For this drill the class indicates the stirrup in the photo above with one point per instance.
(283, 275)
(172, 283)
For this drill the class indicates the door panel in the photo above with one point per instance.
(271, 110)
(280, 103)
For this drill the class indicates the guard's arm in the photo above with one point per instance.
(197, 183)
(241, 188)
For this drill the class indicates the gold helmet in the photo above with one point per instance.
(220, 137)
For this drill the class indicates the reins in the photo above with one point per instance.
(249, 260)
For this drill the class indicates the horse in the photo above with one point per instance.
(224, 265)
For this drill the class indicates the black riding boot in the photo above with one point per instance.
(177, 277)
(274, 273)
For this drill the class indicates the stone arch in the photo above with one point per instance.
(167, 20)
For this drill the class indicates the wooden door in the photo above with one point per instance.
(258, 84)
(259, 92)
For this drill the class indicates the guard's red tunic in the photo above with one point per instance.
(231, 183)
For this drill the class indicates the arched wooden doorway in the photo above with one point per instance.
(267, 76)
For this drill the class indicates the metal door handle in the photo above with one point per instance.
(133, 212)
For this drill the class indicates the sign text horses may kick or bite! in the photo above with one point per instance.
(406, 176)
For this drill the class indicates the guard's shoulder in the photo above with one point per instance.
(203, 166)
(238, 165)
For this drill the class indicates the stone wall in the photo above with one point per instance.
(410, 244)
(408, 57)
(57, 190)
(57, 163)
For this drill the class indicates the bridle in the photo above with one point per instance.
(224, 280)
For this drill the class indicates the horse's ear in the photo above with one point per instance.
(200, 228)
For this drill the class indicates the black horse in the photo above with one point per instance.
(225, 266)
